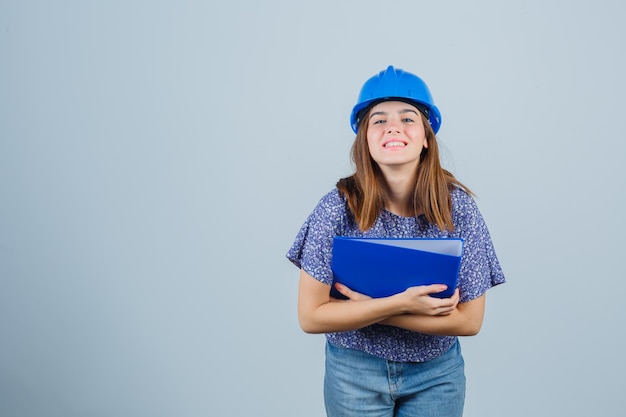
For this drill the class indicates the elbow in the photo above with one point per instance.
(308, 326)
(471, 317)
(471, 329)
(470, 332)
(310, 330)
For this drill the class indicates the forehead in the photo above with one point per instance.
(392, 107)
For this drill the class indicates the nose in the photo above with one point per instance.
(393, 128)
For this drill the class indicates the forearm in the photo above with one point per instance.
(465, 320)
(318, 313)
(451, 325)
(344, 316)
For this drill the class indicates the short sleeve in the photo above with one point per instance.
(312, 247)
(480, 268)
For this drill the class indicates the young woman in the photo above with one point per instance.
(397, 355)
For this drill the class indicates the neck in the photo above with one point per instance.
(399, 193)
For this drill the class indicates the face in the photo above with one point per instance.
(395, 135)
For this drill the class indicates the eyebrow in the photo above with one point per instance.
(382, 113)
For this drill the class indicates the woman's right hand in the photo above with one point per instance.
(417, 300)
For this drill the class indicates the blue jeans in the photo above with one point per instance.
(359, 384)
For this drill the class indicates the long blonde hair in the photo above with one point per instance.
(365, 189)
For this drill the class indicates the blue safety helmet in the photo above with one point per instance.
(395, 85)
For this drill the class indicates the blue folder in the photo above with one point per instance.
(380, 267)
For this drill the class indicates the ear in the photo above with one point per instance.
(426, 125)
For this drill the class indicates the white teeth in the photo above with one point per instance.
(393, 144)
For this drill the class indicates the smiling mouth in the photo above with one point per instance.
(394, 144)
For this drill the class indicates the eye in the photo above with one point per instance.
(408, 120)
(378, 122)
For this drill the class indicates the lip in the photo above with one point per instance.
(394, 140)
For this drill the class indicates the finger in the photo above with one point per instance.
(352, 295)
(444, 313)
(446, 302)
(428, 289)
(343, 289)
(455, 298)
(436, 288)
(446, 309)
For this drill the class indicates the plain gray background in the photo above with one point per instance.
(157, 159)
